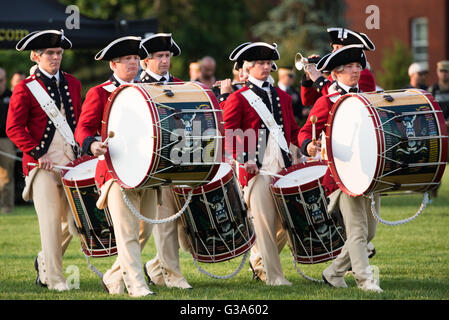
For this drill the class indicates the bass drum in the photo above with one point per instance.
(163, 135)
(386, 142)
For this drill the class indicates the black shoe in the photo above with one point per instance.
(255, 276)
(38, 280)
(150, 282)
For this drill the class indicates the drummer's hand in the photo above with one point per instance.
(251, 167)
(97, 148)
(45, 162)
(225, 86)
(312, 149)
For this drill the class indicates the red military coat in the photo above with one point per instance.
(310, 94)
(238, 114)
(89, 124)
(29, 127)
(321, 110)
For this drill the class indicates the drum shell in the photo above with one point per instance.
(161, 171)
(304, 222)
(416, 179)
(200, 223)
(82, 196)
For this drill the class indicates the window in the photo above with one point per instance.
(420, 39)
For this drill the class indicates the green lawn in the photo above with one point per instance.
(413, 260)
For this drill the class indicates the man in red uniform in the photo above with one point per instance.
(314, 84)
(164, 269)
(345, 64)
(264, 116)
(131, 235)
(34, 131)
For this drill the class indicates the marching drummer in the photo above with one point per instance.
(46, 140)
(269, 120)
(315, 84)
(123, 55)
(164, 269)
(345, 65)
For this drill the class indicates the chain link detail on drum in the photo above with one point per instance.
(155, 221)
(424, 203)
(229, 276)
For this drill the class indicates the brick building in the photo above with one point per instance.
(422, 25)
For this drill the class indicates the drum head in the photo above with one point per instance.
(354, 145)
(82, 171)
(131, 148)
(301, 176)
(222, 171)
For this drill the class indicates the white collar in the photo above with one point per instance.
(158, 76)
(346, 87)
(122, 81)
(282, 86)
(48, 75)
(258, 83)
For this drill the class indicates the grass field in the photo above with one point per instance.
(413, 261)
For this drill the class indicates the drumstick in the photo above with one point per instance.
(111, 134)
(268, 173)
(58, 167)
(313, 120)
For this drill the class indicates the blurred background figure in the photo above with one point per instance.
(286, 82)
(418, 72)
(16, 78)
(440, 90)
(7, 195)
(194, 70)
(207, 71)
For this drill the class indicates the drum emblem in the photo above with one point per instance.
(412, 145)
(313, 207)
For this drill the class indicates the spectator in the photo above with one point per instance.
(6, 147)
(16, 78)
(286, 83)
(207, 71)
(440, 90)
(194, 70)
(418, 72)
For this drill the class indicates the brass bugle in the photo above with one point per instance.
(233, 83)
(301, 62)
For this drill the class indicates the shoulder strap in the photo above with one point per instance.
(261, 108)
(48, 105)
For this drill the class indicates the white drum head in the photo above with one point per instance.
(222, 171)
(82, 171)
(301, 176)
(354, 145)
(131, 148)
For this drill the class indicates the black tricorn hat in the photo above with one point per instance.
(346, 37)
(44, 39)
(124, 46)
(256, 51)
(160, 42)
(342, 56)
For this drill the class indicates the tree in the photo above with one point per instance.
(395, 65)
(300, 26)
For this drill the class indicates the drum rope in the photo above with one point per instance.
(155, 221)
(304, 275)
(424, 203)
(229, 276)
(91, 267)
